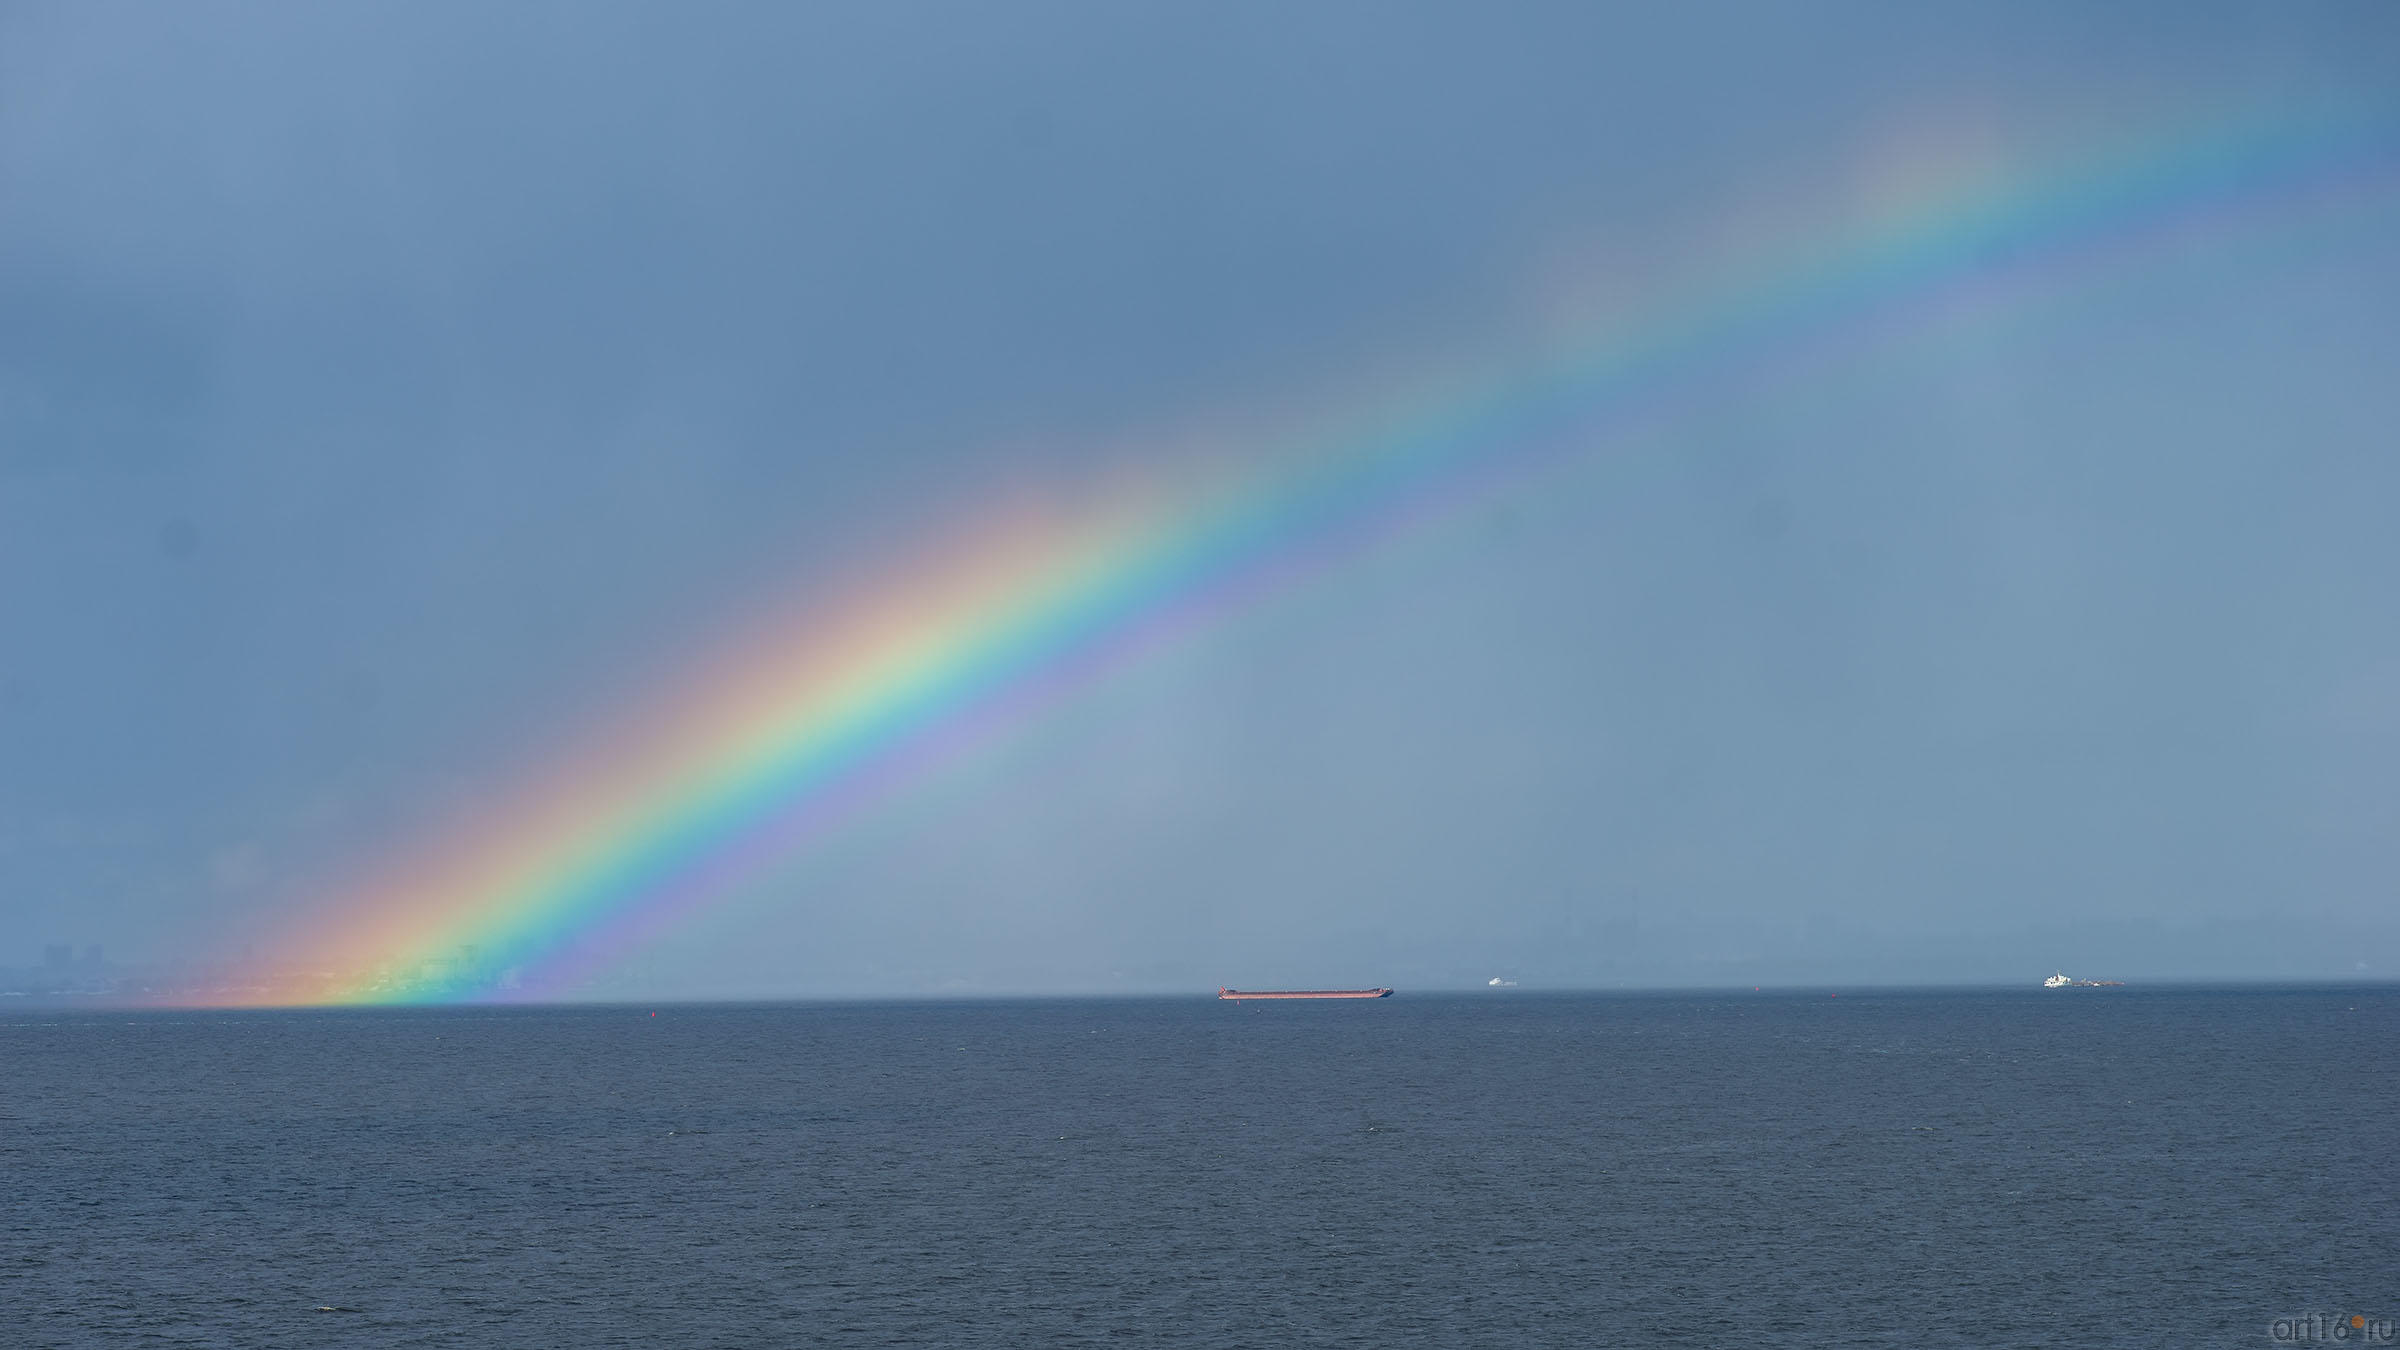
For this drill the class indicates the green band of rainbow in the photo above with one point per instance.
(812, 728)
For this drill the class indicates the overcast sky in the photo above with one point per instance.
(390, 394)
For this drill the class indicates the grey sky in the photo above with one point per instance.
(392, 395)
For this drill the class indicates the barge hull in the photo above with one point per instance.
(1303, 993)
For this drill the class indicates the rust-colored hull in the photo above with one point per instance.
(1304, 993)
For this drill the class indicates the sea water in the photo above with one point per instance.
(2181, 1167)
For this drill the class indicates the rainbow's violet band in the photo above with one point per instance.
(796, 739)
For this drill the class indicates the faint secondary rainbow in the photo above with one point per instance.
(791, 735)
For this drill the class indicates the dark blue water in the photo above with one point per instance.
(2171, 1168)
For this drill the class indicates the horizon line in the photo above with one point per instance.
(2173, 983)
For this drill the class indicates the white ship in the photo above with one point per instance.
(2062, 982)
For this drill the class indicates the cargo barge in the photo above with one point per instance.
(1303, 993)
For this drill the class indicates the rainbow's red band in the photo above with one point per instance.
(787, 737)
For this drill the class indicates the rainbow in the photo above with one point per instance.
(791, 736)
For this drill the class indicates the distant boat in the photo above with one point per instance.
(2062, 982)
(1303, 993)
(1498, 983)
